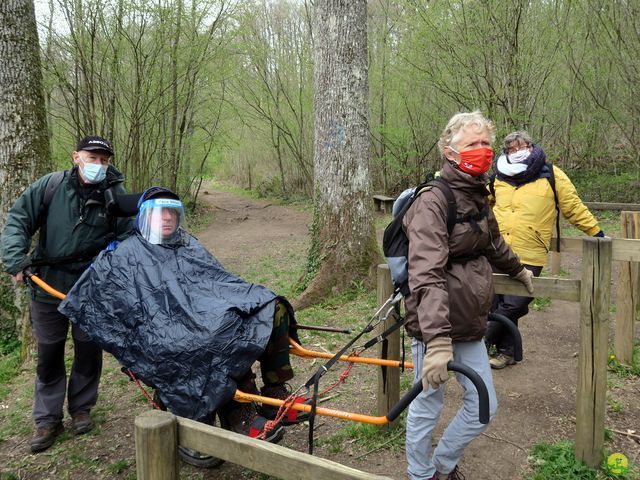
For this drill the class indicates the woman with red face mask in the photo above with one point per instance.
(450, 279)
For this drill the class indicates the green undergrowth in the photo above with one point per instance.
(199, 217)
(622, 370)
(297, 199)
(9, 368)
(351, 310)
(558, 462)
(608, 221)
(369, 438)
(600, 185)
(540, 304)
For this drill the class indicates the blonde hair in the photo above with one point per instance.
(462, 121)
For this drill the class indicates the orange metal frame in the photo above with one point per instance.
(295, 349)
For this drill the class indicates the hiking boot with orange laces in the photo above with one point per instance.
(244, 419)
(281, 392)
(44, 436)
(454, 475)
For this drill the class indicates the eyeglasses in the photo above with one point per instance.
(515, 148)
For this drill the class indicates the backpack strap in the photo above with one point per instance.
(53, 182)
(492, 187)
(452, 208)
(552, 182)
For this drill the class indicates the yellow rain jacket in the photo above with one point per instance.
(527, 214)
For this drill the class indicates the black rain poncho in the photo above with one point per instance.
(176, 318)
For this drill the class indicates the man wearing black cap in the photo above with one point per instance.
(68, 208)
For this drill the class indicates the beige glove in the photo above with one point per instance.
(525, 277)
(434, 366)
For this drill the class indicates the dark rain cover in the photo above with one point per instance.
(175, 317)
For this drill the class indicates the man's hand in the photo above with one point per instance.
(18, 277)
(434, 366)
(525, 277)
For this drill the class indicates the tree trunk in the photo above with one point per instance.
(24, 144)
(343, 248)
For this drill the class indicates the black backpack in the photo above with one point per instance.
(395, 243)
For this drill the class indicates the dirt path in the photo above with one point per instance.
(537, 397)
(246, 230)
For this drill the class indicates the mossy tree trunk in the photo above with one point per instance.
(24, 142)
(344, 246)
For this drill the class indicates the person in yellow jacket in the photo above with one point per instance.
(524, 204)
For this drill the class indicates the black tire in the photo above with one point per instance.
(193, 457)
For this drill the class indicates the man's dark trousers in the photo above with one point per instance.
(50, 329)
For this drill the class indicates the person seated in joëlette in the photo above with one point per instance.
(167, 310)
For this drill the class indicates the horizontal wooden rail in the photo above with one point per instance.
(624, 249)
(556, 288)
(631, 207)
(262, 456)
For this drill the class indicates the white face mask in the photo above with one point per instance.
(93, 173)
(519, 156)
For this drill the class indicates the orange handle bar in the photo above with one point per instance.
(297, 349)
(44, 286)
(327, 412)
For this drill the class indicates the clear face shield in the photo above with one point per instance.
(158, 220)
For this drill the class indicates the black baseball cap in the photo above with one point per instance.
(93, 142)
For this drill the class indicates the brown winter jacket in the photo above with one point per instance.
(453, 300)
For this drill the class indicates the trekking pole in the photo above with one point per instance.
(483, 394)
(321, 329)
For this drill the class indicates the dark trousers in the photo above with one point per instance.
(50, 330)
(513, 308)
(275, 365)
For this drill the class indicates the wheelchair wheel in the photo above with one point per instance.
(193, 457)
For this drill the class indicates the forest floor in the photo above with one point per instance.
(254, 239)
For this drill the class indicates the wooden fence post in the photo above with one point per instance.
(156, 436)
(388, 378)
(627, 294)
(555, 263)
(555, 257)
(595, 297)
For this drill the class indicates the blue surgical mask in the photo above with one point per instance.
(93, 173)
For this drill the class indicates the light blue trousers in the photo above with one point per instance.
(425, 410)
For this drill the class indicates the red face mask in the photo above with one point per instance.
(475, 162)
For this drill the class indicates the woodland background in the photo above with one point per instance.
(188, 90)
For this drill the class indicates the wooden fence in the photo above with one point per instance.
(158, 434)
(628, 286)
(592, 290)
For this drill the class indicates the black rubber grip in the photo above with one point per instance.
(483, 394)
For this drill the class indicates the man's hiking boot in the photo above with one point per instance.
(501, 360)
(454, 475)
(244, 419)
(82, 423)
(281, 392)
(44, 436)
